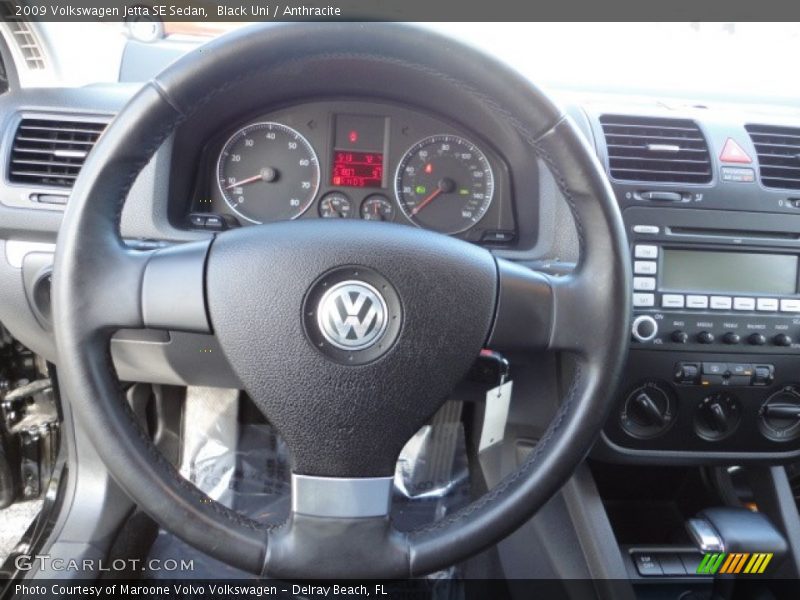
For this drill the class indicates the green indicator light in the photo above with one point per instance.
(463, 191)
(420, 189)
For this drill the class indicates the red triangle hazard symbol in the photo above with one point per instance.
(734, 153)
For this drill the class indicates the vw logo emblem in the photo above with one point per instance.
(352, 315)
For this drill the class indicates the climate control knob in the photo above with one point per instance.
(648, 410)
(644, 329)
(705, 337)
(717, 417)
(780, 415)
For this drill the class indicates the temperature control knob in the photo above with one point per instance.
(648, 410)
(645, 328)
(780, 415)
(717, 417)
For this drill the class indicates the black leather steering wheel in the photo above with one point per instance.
(266, 291)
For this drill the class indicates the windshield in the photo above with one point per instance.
(750, 61)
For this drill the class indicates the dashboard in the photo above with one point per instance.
(348, 159)
(709, 195)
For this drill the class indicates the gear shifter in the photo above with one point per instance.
(725, 529)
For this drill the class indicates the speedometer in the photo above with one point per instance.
(444, 183)
(268, 172)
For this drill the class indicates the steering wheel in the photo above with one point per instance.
(348, 336)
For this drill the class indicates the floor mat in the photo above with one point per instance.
(14, 521)
(431, 481)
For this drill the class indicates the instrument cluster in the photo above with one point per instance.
(356, 160)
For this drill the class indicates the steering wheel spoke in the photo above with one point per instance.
(156, 289)
(173, 288)
(342, 526)
(538, 311)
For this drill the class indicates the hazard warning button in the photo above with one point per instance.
(732, 152)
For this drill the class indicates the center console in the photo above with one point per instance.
(713, 373)
(708, 405)
(715, 336)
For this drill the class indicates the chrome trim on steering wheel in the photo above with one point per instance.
(341, 497)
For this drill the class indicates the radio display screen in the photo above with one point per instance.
(728, 272)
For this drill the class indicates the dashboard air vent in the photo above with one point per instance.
(656, 149)
(24, 37)
(778, 150)
(51, 152)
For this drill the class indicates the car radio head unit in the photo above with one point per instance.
(696, 287)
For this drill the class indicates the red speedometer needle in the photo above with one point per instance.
(244, 182)
(268, 174)
(426, 201)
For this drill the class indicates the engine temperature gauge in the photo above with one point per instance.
(377, 208)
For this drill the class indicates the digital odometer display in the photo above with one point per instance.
(729, 272)
(357, 169)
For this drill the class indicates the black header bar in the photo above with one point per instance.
(401, 10)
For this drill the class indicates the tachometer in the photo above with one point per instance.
(268, 172)
(444, 183)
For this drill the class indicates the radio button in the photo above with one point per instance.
(679, 337)
(790, 305)
(647, 284)
(644, 300)
(672, 301)
(731, 338)
(767, 304)
(652, 229)
(643, 251)
(705, 337)
(782, 340)
(721, 302)
(696, 301)
(757, 339)
(744, 304)
(645, 267)
(644, 328)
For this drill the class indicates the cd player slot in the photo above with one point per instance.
(707, 232)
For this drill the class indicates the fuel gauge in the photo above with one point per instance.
(334, 205)
(377, 208)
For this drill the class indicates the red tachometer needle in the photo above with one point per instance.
(426, 201)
